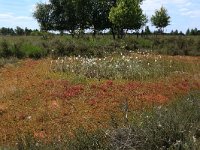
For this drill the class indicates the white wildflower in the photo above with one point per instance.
(194, 139)
(159, 125)
(62, 61)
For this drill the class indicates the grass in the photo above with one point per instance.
(4, 61)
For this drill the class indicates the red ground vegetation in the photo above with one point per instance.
(33, 100)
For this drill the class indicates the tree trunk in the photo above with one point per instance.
(72, 33)
(94, 33)
(113, 33)
(61, 32)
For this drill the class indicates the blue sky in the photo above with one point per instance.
(184, 13)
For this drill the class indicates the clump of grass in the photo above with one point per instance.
(83, 140)
(4, 61)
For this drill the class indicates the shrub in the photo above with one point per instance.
(33, 51)
(5, 50)
(17, 51)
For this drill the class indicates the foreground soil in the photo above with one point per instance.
(36, 100)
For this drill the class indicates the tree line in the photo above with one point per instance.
(119, 16)
(18, 31)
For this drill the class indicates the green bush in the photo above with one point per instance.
(5, 50)
(17, 51)
(33, 51)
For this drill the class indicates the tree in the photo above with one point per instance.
(27, 31)
(127, 15)
(19, 31)
(83, 9)
(63, 15)
(161, 19)
(181, 33)
(176, 32)
(7, 31)
(147, 30)
(43, 15)
(99, 15)
(192, 32)
(188, 32)
(195, 31)
(172, 32)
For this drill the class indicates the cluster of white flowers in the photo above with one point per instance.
(133, 66)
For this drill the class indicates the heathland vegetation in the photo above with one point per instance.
(102, 82)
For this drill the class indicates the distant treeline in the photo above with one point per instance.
(194, 31)
(18, 31)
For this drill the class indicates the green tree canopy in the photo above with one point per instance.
(98, 19)
(43, 15)
(127, 15)
(63, 15)
(161, 19)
